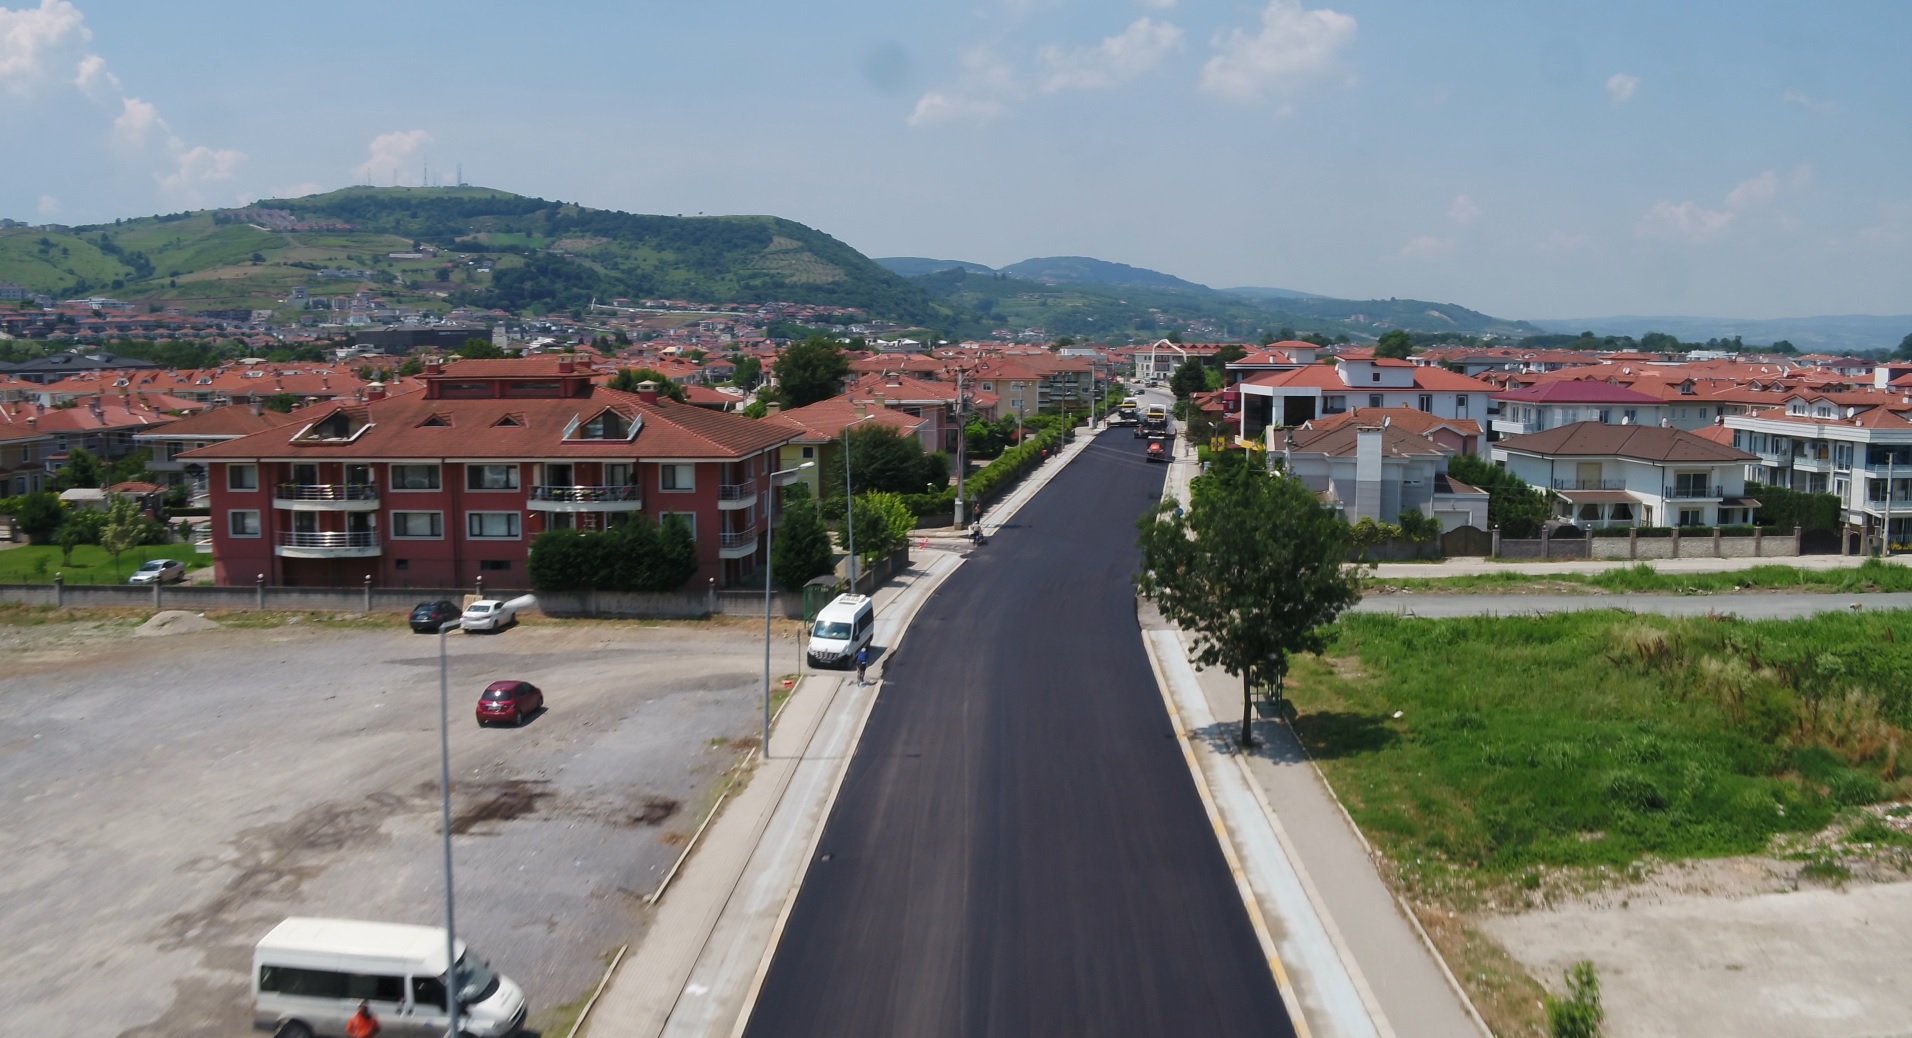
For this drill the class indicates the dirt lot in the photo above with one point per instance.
(1739, 946)
(168, 799)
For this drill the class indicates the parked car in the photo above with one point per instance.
(513, 701)
(158, 571)
(428, 617)
(489, 614)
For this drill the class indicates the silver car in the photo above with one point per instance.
(488, 614)
(158, 571)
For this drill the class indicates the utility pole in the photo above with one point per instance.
(962, 449)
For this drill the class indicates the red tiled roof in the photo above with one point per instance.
(1418, 422)
(231, 420)
(1576, 391)
(1646, 442)
(826, 419)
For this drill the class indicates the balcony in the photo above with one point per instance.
(1774, 459)
(1589, 484)
(355, 544)
(326, 497)
(1512, 427)
(1693, 493)
(737, 544)
(736, 495)
(1812, 463)
(623, 498)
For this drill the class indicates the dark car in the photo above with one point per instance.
(513, 701)
(428, 617)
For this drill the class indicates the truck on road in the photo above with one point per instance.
(1154, 422)
(1128, 412)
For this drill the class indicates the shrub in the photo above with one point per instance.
(1579, 1014)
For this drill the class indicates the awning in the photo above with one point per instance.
(1738, 502)
(1597, 497)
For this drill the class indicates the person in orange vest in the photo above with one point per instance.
(363, 1024)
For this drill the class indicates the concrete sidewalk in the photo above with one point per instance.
(1469, 567)
(1359, 962)
(698, 967)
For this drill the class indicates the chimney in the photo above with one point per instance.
(433, 366)
(258, 405)
(773, 407)
(647, 391)
(567, 364)
(33, 421)
(375, 391)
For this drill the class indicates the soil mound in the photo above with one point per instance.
(175, 621)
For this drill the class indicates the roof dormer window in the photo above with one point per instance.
(510, 421)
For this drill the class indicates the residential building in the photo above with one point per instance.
(816, 434)
(23, 451)
(204, 429)
(1862, 456)
(1289, 398)
(1549, 405)
(1377, 471)
(1455, 435)
(1632, 475)
(442, 487)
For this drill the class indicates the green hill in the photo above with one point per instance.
(499, 250)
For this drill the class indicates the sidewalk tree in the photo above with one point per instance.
(882, 459)
(801, 551)
(1254, 569)
(1517, 508)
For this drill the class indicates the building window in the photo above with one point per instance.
(243, 522)
(1460, 403)
(401, 564)
(689, 518)
(414, 477)
(491, 477)
(494, 525)
(418, 524)
(1691, 517)
(494, 565)
(1376, 376)
(1374, 400)
(1425, 402)
(242, 477)
(677, 477)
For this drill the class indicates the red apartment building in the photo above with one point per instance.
(434, 489)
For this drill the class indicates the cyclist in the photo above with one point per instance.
(862, 662)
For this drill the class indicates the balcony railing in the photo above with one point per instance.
(326, 492)
(329, 539)
(736, 491)
(581, 494)
(1589, 484)
(737, 538)
(1691, 493)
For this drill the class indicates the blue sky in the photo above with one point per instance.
(1532, 160)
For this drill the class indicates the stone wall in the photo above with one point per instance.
(1706, 544)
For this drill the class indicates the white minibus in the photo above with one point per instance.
(843, 627)
(309, 976)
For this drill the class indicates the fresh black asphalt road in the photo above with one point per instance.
(1018, 848)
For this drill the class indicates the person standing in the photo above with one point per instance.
(862, 663)
(363, 1024)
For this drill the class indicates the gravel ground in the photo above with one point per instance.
(169, 799)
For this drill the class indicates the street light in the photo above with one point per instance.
(849, 500)
(444, 798)
(769, 568)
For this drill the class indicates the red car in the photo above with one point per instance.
(513, 701)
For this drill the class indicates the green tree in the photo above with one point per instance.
(883, 459)
(749, 369)
(411, 368)
(129, 468)
(39, 515)
(1190, 377)
(1784, 346)
(1579, 1015)
(283, 403)
(1228, 354)
(1396, 344)
(561, 560)
(1253, 569)
(811, 370)
(82, 469)
(676, 555)
(883, 524)
(1517, 508)
(125, 528)
(802, 550)
(1904, 352)
(480, 349)
(627, 380)
(69, 537)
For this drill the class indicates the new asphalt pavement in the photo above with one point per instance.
(1018, 847)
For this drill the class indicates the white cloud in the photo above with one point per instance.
(1620, 87)
(1749, 194)
(196, 168)
(936, 107)
(1686, 221)
(136, 119)
(1463, 211)
(1294, 47)
(389, 154)
(31, 38)
(1811, 104)
(1117, 59)
(49, 206)
(1426, 247)
(1562, 242)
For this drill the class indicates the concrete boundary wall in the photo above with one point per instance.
(1702, 544)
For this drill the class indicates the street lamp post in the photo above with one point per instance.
(444, 796)
(769, 570)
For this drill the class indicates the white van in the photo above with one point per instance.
(843, 627)
(309, 976)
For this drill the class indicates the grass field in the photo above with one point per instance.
(1597, 739)
(36, 563)
(1871, 575)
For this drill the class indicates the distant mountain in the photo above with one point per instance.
(1831, 334)
(1082, 270)
(917, 266)
(1271, 293)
